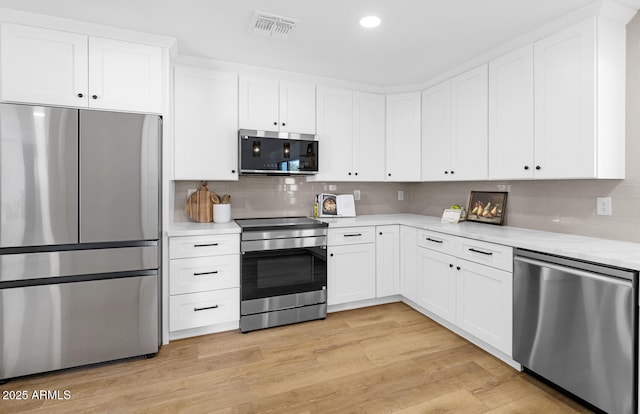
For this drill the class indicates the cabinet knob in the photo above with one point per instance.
(284, 124)
(526, 167)
(457, 267)
(275, 123)
(453, 172)
(538, 167)
(389, 174)
(356, 173)
(233, 171)
(331, 254)
(380, 233)
(80, 95)
(349, 172)
(450, 265)
(446, 172)
(94, 96)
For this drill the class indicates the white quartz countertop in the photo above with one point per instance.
(202, 229)
(608, 252)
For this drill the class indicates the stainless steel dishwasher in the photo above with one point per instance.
(574, 324)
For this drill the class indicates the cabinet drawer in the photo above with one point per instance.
(193, 310)
(351, 235)
(439, 242)
(490, 254)
(200, 246)
(198, 274)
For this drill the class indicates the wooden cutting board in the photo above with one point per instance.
(199, 205)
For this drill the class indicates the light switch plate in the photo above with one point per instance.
(400, 195)
(356, 195)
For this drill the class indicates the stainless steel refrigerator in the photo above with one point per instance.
(79, 237)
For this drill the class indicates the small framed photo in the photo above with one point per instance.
(487, 207)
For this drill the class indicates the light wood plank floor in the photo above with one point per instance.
(382, 359)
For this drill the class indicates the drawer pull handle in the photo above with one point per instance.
(434, 240)
(215, 272)
(481, 252)
(353, 235)
(205, 308)
(205, 245)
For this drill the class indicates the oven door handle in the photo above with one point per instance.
(282, 244)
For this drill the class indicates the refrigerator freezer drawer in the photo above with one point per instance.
(50, 327)
(28, 266)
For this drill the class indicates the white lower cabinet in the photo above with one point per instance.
(469, 284)
(204, 284)
(408, 262)
(484, 303)
(387, 260)
(351, 268)
(437, 283)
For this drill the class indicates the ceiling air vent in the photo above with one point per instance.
(270, 25)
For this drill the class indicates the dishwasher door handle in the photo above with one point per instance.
(577, 272)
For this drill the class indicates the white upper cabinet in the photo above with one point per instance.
(455, 128)
(579, 101)
(272, 105)
(469, 125)
(124, 75)
(335, 134)
(511, 116)
(60, 68)
(403, 137)
(351, 135)
(368, 137)
(206, 124)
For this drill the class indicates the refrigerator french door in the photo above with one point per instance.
(79, 237)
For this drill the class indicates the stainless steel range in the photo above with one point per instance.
(283, 272)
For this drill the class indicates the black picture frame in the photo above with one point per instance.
(487, 207)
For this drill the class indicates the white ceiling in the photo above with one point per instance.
(417, 40)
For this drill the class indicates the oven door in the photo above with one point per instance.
(271, 273)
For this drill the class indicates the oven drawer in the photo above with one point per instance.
(439, 242)
(200, 246)
(351, 235)
(197, 274)
(193, 310)
(490, 254)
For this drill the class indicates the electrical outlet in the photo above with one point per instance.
(603, 206)
(356, 195)
(400, 195)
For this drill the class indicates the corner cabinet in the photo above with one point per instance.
(351, 134)
(387, 260)
(272, 105)
(206, 124)
(403, 137)
(454, 134)
(53, 67)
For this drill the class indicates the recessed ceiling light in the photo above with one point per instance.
(370, 21)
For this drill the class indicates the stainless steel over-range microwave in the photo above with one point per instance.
(277, 153)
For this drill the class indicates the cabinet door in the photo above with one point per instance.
(258, 103)
(403, 137)
(351, 273)
(564, 72)
(436, 132)
(206, 125)
(335, 134)
(387, 260)
(125, 76)
(408, 262)
(484, 302)
(511, 116)
(43, 66)
(437, 283)
(368, 137)
(297, 108)
(469, 126)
